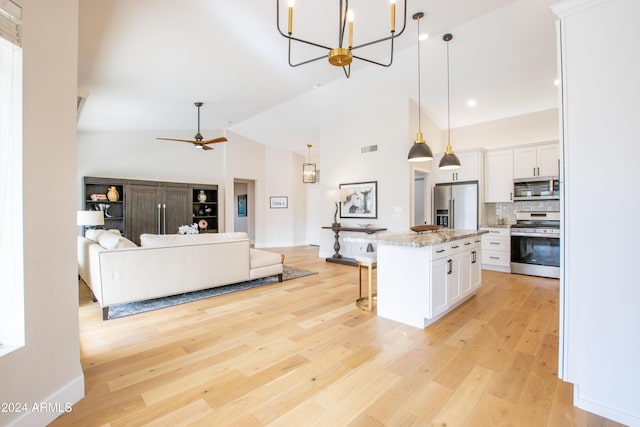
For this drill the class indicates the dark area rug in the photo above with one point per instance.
(122, 310)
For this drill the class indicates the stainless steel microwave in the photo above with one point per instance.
(538, 188)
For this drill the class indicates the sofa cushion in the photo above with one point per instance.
(260, 258)
(94, 233)
(113, 241)
(160, 240)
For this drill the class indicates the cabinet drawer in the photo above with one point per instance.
(499, 244)
(496, 258)
(496, 231)
(441, 250)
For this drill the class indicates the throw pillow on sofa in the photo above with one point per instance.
(113, 241)
(94, 233)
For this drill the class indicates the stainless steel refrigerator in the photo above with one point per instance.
(455, 205)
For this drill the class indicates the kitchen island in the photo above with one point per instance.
(421, 277)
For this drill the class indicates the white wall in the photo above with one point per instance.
(599, 287)
(47, 368)
(139, 155)
(518, 130)
(343, 163)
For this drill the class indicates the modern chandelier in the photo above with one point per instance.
(309, 169)
(420, 151)
(342, 55)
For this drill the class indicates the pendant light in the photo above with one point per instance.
(420, 151)
(309, 169)
(449, 160)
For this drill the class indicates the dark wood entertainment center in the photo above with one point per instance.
(155, 207)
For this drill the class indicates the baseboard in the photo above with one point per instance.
(275, 245)
(43, 413)
(496, 268)
(604, 411)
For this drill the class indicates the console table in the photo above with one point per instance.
(337, 257)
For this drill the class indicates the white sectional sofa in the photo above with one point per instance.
(118, 271)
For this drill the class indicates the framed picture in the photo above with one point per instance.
(242, 205)
(278, 202)
(362, 200)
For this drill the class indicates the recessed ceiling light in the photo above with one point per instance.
(423, 36)
(471, 103)
(316, 85)
(556, 82)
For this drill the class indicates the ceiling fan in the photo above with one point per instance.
(198, 141)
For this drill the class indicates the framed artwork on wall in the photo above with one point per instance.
(242, 205)
(361, 200)
(278, 202)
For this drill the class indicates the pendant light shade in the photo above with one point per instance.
(449, 160)
(309, 169)
(420, 151)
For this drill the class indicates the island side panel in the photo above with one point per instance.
(403, 283)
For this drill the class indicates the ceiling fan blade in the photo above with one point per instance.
(192, 141)
(198, 142)
(214, 140)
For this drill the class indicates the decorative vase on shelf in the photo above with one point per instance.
(202, 196)
(112, 194)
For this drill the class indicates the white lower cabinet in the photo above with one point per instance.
(439, 288)
(496, 249)
(455, 274)
(419, 284)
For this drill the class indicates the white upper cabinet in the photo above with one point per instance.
(498, 176)
(470, 167)
(536, 160)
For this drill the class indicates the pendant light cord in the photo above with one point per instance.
(419, 95)
(448, 104)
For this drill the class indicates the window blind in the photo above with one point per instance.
(10, 22)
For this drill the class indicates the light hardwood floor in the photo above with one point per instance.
(299, 353)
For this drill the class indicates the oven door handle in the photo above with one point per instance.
(548, 235)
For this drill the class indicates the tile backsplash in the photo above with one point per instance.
(507, 211)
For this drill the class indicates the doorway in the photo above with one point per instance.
(421, 197)
(244, 207)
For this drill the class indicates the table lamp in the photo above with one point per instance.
(337, 196)
(90, 219)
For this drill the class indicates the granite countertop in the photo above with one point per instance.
(496, 226)
(417, 240)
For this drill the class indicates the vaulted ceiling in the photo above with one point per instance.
(145, 62)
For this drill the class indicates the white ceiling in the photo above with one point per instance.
(144, 62)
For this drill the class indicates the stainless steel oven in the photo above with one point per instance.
(535, 244)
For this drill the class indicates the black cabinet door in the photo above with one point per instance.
(143, 211)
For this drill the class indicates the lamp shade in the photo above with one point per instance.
(90, 218)
(420, 152)
(336, 195)
(449, 161)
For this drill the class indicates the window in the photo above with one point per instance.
(11, 253)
